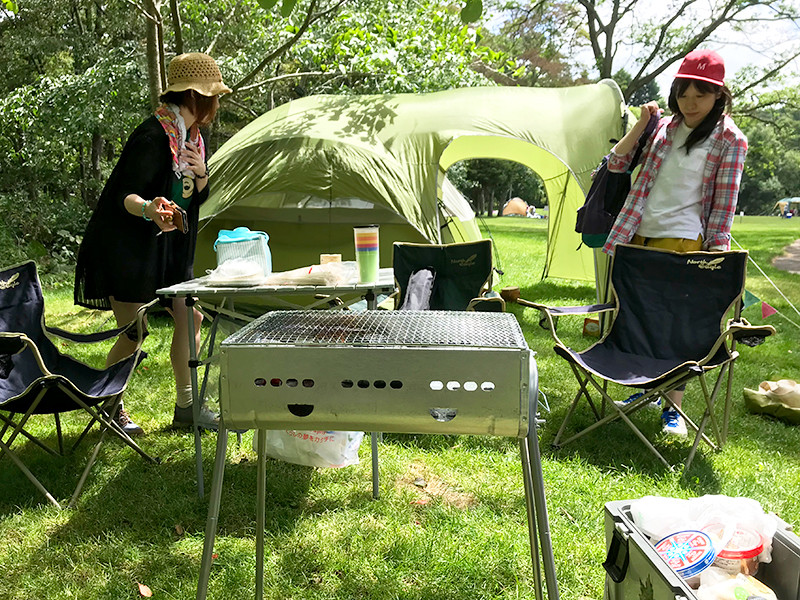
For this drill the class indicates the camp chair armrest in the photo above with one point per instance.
(551, 314)
(14, 343)
(742, 331)
(101, 336)
(581, 310)
(747, 334)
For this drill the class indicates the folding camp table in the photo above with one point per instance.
(438, 372)
(220, 301)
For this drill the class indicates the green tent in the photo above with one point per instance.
(309, 170)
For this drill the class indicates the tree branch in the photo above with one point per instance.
(138, 7)
(222, 28)
(768, 74)
(333, 74)
(307, 21)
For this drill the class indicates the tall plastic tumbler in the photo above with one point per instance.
(367, 257)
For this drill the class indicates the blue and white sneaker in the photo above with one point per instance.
(672, 422)
(634, 397)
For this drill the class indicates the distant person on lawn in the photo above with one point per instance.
(131, 247)
(685, 195)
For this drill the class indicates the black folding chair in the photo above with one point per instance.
(669, 326)
(35, 378)
(445, 276)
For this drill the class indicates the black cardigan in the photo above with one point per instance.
(121, 254)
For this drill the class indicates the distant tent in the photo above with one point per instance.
(516, 207)
(308, 170)
(781, 205)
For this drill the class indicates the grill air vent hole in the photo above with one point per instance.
(437, 385)
(379, 383)
(308, 383)
(453, 385)
(300, 410)
(396, 385)
(347, 383)
(260, 382)
(443, 414)
(487, 386)
(291, 382)
(275, 382)
(470, 386)
(363, 384)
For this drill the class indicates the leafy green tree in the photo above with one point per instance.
(77, 77)
(772, 168)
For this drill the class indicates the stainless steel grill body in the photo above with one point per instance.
(403, 371)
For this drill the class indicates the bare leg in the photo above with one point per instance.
(676, 397)
(124, 313)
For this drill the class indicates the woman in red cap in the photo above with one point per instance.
(685, 195)
(131, 247)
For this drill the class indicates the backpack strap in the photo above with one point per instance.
(643, 139)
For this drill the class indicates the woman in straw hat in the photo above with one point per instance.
(131, 246)
(685, 195)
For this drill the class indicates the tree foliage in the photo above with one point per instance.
(77, 76)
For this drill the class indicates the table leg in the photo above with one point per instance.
(372, 304)
(198, 448)
(261, 500)
(213, 513)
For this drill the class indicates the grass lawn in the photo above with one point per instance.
(462, 537)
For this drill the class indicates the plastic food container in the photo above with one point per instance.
(245, 244)
(741, 551)
(687, 552)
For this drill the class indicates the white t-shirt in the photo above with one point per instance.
(674, 205)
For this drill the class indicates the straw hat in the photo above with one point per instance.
(195, 71)
(785, 391)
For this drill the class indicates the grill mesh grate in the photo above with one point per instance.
(382, 328)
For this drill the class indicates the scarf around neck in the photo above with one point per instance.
(174, 126)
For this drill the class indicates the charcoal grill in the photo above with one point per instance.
(439, 372)
(410, 372)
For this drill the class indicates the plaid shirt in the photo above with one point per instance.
(720, 189)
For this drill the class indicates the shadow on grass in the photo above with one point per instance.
(615, 447)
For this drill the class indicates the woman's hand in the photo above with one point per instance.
(191, 156)
(160, 212)
(649, 109)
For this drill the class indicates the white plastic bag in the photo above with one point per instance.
(324, 449)
(236, 272)
(330, 274)
(658, 517)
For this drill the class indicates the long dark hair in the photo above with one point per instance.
(204, 108)
(700, 133)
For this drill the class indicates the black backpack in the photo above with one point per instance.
(607, 195)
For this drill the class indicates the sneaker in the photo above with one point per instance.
(634, 397)
(182, 418)
(672, 422)
(128, 426)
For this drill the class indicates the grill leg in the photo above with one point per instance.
(376, 491)
(537, 513)
(213, 513)
(535, 502)
(261, 499)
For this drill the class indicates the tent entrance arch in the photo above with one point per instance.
(562, 188)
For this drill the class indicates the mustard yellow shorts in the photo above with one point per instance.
(676, 244)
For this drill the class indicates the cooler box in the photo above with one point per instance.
(635, 571)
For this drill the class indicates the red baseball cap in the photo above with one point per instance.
(705, 65)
